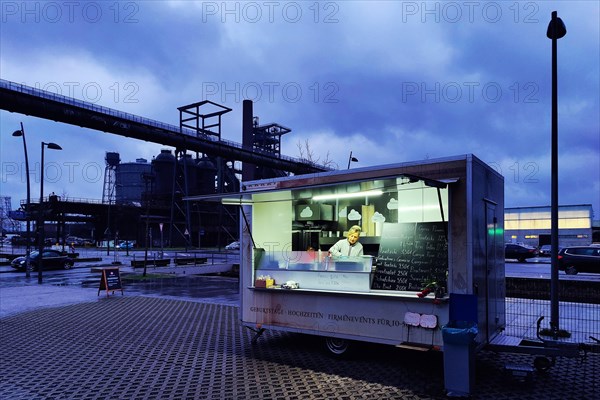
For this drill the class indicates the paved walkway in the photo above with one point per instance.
(69, 343)
(18, 299)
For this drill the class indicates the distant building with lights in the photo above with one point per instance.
(531, 225)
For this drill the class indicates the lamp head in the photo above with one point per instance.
(556, 27)
(18, 133)
(53, 146)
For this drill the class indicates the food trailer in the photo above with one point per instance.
(432, 235)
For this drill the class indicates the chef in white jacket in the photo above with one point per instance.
(349, 246)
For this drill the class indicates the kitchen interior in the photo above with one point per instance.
(322, 216)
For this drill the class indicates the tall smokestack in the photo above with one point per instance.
(248, 169)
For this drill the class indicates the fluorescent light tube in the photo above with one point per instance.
(367, 193)
(236, 202)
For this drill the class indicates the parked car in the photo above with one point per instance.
(87, 242)
(21, 240)
(519, 252)
(126, 244)
(233, 246)
(52, 259)
(545, 250)
(579, 259)
(78, 241)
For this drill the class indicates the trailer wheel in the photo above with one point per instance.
(337, 347)
(542, 364)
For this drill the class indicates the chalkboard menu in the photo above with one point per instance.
(110, 280)
(411, 255)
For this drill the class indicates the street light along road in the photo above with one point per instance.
(21, 133)
(41, 238)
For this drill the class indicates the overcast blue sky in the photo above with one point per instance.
(391, 81)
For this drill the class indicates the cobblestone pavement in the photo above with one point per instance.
(139, 347)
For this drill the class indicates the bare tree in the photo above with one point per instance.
(306, 153)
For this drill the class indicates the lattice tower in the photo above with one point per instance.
(110, 177)
(6, 222)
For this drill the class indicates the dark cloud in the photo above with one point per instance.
(393, 81)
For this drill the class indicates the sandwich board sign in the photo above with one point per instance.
(110, 280)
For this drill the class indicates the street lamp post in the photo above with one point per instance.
(28, 202)
(52, 146)
(148, 179)
(351, 159)
(556, 30)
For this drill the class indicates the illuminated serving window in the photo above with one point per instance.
(402, 222)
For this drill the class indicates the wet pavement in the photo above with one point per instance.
(15, 299)
(81, 283)
(160, 281)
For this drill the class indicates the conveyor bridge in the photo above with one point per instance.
(39, 103)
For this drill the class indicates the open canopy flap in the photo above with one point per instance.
(366, 188)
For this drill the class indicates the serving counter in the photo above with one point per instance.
(315, 271)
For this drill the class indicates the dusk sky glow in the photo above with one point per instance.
(391, 81)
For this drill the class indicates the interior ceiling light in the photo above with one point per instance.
(236, 201)
(367, 193)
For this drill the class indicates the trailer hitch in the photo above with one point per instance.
(591, 347)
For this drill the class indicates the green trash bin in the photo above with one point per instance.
(459, 332)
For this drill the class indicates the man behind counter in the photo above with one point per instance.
(349, 246)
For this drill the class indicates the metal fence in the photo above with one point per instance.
(529, 299)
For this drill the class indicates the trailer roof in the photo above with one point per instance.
(338, 177)
(312, 189)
